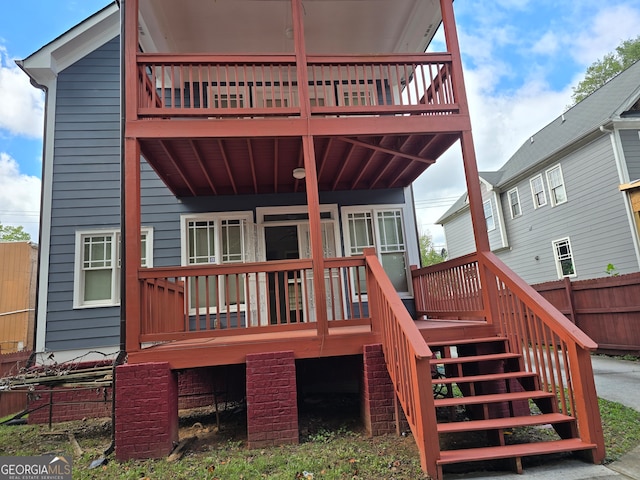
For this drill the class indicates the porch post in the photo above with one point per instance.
(466, 139)
(130, 221)
(131, 244)
(311, 178)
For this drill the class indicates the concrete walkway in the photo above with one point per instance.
(616, 380)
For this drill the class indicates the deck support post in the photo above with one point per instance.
(146, 410)
(378, 394)
(272, 402)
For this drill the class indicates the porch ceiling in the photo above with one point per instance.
(234, 166)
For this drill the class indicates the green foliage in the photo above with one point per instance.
(603, 70)
(13, 234)
(428, 254)
(611, 270)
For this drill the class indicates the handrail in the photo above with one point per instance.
(548, 313)
(407, 357)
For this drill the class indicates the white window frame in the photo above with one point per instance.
(374, 210)
(552, 189)
(491, 217)
(534, 193)
(519, 214)
(146, 260)
(558, 259)
(248, 247)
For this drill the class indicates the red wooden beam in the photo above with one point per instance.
(391, 151)
(176, 165)
(227, 165)
(196, 153)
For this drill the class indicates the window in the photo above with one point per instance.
(564, 258)
(488, 215)
(216, 239)
(98, 263)
(556, 186)
(514, 203)
(384, 230)
(228, 100)
(537, 190)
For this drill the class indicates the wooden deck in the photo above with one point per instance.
(233, 349)
(340, 341)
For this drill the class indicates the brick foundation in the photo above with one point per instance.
(378, 395)
(272, 409)
(146, 410)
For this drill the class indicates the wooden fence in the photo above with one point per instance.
(607, 309)
(12, 401)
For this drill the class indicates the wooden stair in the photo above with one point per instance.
(483, 398)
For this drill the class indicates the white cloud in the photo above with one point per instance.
(21, 105)
(19, 196)
(608, 28)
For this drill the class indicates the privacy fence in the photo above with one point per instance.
(607, 309)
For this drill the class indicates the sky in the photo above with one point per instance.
(521, 59)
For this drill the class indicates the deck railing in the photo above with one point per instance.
(551, 346)
(407, 357)
(449, 290)
(262, 85)
(242, 298)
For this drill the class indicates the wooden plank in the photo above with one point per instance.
(505, 422)
(508, 451)
(474, 358)
(485, 378)
(491, 398)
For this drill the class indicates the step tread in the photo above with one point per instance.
(474, 358)
(466, 341)
(511, 451)
(491, 398)
(485, 378)
(505, 422)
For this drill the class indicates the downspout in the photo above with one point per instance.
(123, 288)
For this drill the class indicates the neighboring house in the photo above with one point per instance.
(18, 271)
(567, 203)
(236, 207)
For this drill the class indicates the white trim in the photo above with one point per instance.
(564, 186)
(78, 303)
(45, 214)
(533, 193)
(493, 217)
(502, 226)
(514, 189)
(561, 275)
(374, 210)
(623, 175)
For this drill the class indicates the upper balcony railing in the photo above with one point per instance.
(267, 85)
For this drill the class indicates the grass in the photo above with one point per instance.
(326, 452)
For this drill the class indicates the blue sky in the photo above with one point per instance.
(521, 59)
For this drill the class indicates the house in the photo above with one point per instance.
(236, 208)
(567, 203)
(18, 269)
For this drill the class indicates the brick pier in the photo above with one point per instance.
(272, 408)
(146, 410)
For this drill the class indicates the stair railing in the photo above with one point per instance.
(407, 357)
(551, 346)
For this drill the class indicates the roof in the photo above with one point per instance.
(606, 104)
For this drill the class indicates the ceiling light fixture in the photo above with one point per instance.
(299, 173)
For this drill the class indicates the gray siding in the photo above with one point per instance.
(630, 140)
(594, 218)
(86, 196)
(458, 232)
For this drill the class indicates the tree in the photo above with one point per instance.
(13, 234)
(601, 71)
(428, 254)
